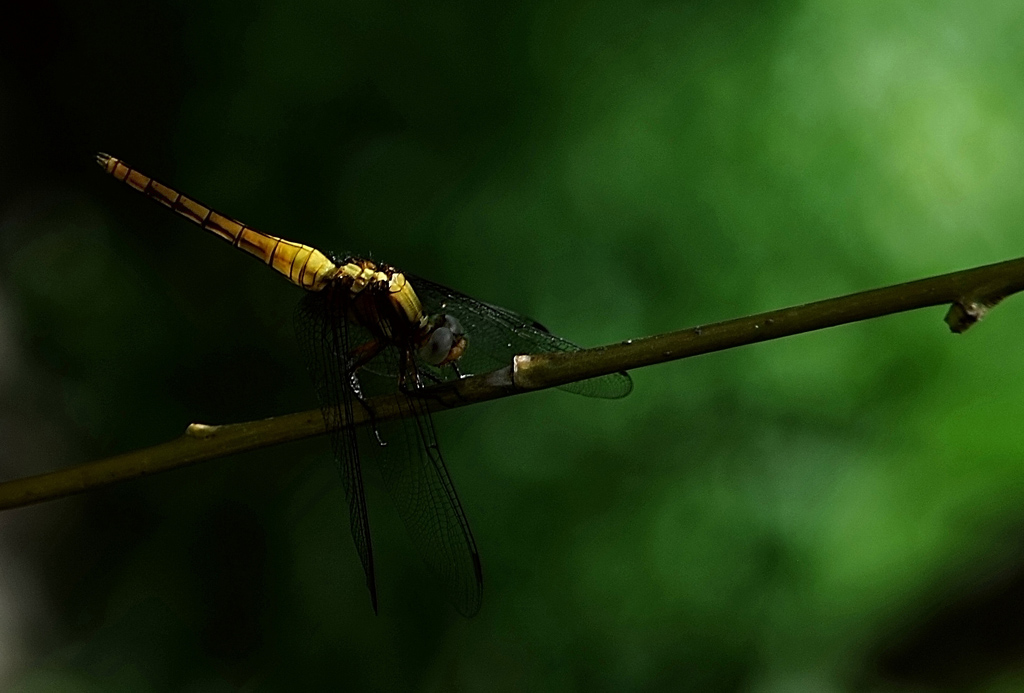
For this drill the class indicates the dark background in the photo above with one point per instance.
(836, 511)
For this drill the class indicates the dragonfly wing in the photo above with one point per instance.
(497, 334)
(325, 341)
(417, 479)
(410, 462)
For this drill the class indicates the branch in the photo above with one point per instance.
(970, 293)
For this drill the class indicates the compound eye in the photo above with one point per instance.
(437, 348)
(453, 325)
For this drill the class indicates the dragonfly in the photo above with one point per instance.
(366, 328)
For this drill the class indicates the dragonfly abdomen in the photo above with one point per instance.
(303, 265)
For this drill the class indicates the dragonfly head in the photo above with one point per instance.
(443, 342)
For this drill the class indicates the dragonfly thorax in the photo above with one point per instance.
(357, 274)
(383, 300)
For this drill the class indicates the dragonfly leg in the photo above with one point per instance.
(424, 375)
(359, 357)
(458, 374)
(403, 371)
(434, 380)
(357, 390)
(407, 367)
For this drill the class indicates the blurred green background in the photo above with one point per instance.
(840, 511)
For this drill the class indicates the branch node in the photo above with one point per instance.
(963, 313)
(201, 431)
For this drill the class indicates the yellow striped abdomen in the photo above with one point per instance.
(302, 264)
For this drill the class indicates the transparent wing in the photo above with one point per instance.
(325, 342)
(418, 482)
(496, 334)
(410, 462)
